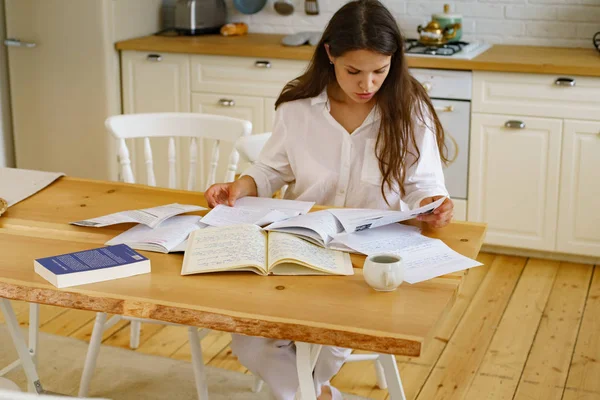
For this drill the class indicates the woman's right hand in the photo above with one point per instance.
(228, 193)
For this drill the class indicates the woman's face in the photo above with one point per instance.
(360, 73)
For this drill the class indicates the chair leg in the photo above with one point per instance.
(92, 354)
(134, 334)
(198, 363)
(380, 373)
(306, 358)
(22, 349)
(257, 385)
(392, 376)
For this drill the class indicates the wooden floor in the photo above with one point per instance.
(521, 329)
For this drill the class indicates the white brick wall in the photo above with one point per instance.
(531, 22)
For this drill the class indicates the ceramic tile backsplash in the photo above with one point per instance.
(532, 22)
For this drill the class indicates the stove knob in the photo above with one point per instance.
(427, 86)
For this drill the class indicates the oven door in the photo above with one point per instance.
(455, 118)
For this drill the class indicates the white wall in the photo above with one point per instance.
(530, 22)
(7, 158)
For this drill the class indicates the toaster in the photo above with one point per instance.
(198, 17)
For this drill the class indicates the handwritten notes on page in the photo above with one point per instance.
(226, 248)
(424, 258)
(358, 219)
(163, 239)
(151, 217)
(18, 184)
(289, 249)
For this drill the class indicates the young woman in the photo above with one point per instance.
(355, 130)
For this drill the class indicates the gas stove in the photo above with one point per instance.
(461, 50)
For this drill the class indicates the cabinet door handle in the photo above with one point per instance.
(514, 124)
(226, 102)
(262, 64)
(568, 82)
(445, 109)
(13, 42)
(154, 57)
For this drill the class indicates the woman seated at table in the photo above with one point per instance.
(355, 130)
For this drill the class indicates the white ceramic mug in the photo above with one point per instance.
(384, 272)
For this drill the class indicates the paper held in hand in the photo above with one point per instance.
(151, 217)
(247, 247)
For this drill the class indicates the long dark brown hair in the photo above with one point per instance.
(368, 25)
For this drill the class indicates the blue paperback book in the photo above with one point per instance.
(89, 266)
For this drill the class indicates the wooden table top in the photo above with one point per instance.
(499, 58)
(341, 311)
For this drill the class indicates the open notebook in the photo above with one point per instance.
(247, 247)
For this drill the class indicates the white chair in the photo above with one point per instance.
(167, 125)
(250, 148)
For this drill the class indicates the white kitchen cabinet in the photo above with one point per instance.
(244, 107)
(578, 216)
(514, 179)
(156, 82)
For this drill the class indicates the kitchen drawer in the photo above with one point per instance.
(236, 106)
(536, 95)
(243, 75)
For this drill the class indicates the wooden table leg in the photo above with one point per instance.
(392, 377)
(33, 379)
(306, 358)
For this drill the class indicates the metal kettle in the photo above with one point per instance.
(433, 34)
(197, 17)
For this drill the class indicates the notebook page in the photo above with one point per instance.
(321, 222)
(283, 246)
(225, 248)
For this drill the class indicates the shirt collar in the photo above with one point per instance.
(322, 98)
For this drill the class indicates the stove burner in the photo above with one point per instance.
(412, 46)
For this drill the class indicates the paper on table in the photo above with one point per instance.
(164, 239)
(358, 219)
(223, 215)
(151, 217)
(424, 258)
(320, 226)
(294, 206)
(18, 184)
(209, 250)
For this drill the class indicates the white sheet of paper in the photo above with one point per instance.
(294, 207)
(358, 219)
(164, 238)
(18, 184)
(424, 258)
(324, 224)
(223, 215)
(151, 217)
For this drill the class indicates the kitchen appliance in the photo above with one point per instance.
(450, 92)
(446, 19)
(434, 34)
(462, 50)
(197, 17)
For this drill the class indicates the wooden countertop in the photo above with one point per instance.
(500, 58)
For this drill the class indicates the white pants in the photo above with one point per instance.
(274, 361)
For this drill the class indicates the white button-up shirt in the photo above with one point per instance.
(321, 162)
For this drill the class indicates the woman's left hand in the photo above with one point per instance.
(441, 216)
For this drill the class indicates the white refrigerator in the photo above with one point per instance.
(64, 80)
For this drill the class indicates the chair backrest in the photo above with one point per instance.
(194, 126)
(250, 147)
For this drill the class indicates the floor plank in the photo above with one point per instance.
(415, 371)
(166, 342)
(358, 378)
(545, 372)
(499, 373)
(85, 332)
(583, 382)
(67, 323)
(214, 344)
(453, 373)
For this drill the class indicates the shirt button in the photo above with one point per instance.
(342, 191)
